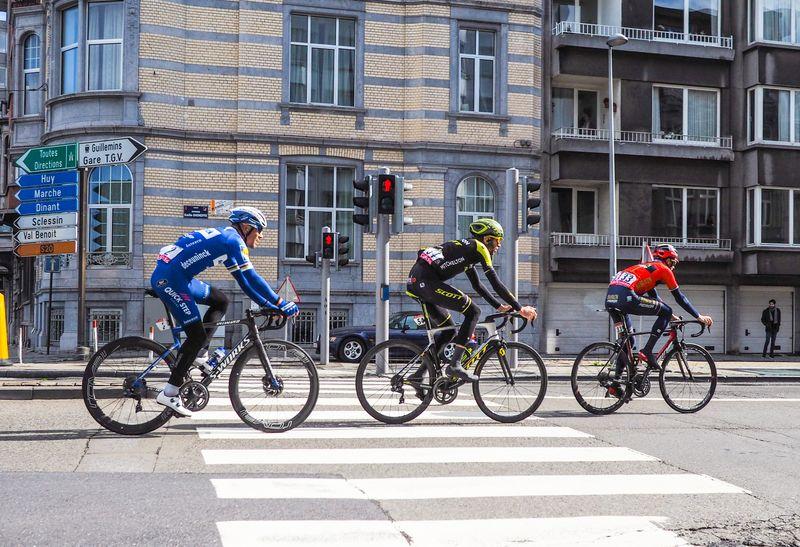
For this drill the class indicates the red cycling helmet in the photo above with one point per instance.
(665, 251)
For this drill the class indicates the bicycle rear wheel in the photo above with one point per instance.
(274, 407)
(109, 390)
(394, 381)
(688, 378)
(512, 382)
(594, 370)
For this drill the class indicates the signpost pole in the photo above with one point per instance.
(49, 310)
(83, 349)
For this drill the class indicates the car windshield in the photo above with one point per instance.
(396, 321)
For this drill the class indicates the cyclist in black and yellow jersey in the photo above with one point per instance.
(435, 265)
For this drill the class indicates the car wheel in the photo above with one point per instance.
(352, 349)
(448, 352)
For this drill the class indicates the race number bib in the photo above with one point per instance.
(624, 278)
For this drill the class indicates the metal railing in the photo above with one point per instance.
(559, 239)
(649, 35)
(642, 137)
(109, 259)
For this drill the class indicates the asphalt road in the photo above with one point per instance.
(728, 475)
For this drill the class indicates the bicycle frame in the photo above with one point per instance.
(490, 326)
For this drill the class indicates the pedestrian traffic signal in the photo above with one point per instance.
(328, 245)
(387, 186)
(313, 259)
(341, 252)
(364, 206)
(399, 220)
(530, 204)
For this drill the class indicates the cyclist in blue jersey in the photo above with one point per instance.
(174, 282)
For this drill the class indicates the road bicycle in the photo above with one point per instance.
(607, 375)
(273, 384)
(396, 380)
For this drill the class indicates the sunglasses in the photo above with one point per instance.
(497, 239)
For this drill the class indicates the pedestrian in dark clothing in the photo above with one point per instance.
(771, 318)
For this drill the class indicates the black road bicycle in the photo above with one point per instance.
(397, 380)
(607, 375)
(273, 384)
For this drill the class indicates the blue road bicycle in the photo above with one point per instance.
(273, 384)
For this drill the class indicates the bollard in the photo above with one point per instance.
(94, 334)
(3, 331)
(151, 336)
(19, 345)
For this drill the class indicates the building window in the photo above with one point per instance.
(323, 60)
(773, 115)
(476, 61)
(69, 50)
(339, 319)
(575, 110)
(573, 211)
(693, 18)
(109, 324)
(32, 64)
(474, 200)
(110, 203)
(686, 114)
(774, 21)
(316, 196)
(575, 11)
(685, 213)
(773, 217)
(304, 327)
(56, 326)
(104, 46)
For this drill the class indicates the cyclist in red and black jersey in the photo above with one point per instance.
(633, 291)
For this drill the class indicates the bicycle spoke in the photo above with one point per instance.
(688, 380)
(510, 393)
(597, 369)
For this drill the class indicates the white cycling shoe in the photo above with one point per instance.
(174, 403)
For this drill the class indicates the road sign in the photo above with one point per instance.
(43, 179)
(69, 205)
(195, 211)
(49, 158)
(46, 221)
(42, 193)
(220, 206)
(287, 290)
(52, 264)
(109, 152)
(43, 235)
(55, 248)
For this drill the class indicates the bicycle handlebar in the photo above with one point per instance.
(274, 319)
(678, 325)
(506, 316)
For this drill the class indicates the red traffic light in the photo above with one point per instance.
(328, 240)
(387, 184)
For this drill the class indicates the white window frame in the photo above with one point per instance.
(754, 193)
(685, 207)
(794, 32)
(575, 113)
(686, 24)
(332, 210)
(574, 209)
(477, 58)
(68, 47)
(475, 214)
(758, 119)
(336, 47)
(26, 71)
(685, 140)
(109, 217)
(90, 43)
(579, 15)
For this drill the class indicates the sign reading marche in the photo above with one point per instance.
(109, 152)
(69, 205)
(40, 235)
(49, 158)
(45, 179)
(48, 192)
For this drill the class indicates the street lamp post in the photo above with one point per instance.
(613, 41)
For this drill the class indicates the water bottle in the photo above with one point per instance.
(216, 357)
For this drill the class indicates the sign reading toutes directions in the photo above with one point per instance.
(49, 158)
(109, 152)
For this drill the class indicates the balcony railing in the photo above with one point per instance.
(591, 29)
(109, 259)
(642, 137)
(602, 240)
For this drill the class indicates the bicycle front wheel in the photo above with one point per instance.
(278, 404)
(594, 371)
(113, 393)
(394, 381)
(688, 378)
(512, 382)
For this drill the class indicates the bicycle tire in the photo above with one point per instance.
(712, 380)
(486, 385)
(590, 388)
(248, 373)
(92, 386)
(382, 383)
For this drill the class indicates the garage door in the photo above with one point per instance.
(708, 301)
(571, 317)
(751, 331)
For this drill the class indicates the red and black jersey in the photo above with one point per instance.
(643, 278)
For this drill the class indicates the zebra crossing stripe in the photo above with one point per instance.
(298, 402)
(396, 432)
(406, 455)
(595, 531)
(342, 416)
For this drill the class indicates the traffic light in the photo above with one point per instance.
(387, 186)
(530, 204)
(328, 245)
(399, 220)
(341, 252)
(365, 203)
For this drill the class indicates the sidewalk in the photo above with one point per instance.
(57, 377)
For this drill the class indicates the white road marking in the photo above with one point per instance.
(340, 416)
(406, 455)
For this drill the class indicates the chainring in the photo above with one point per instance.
(194, 395)
(641, 385)
(445, 391)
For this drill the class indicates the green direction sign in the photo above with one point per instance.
(49, 158)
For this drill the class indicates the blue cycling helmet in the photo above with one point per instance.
(248, 215)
